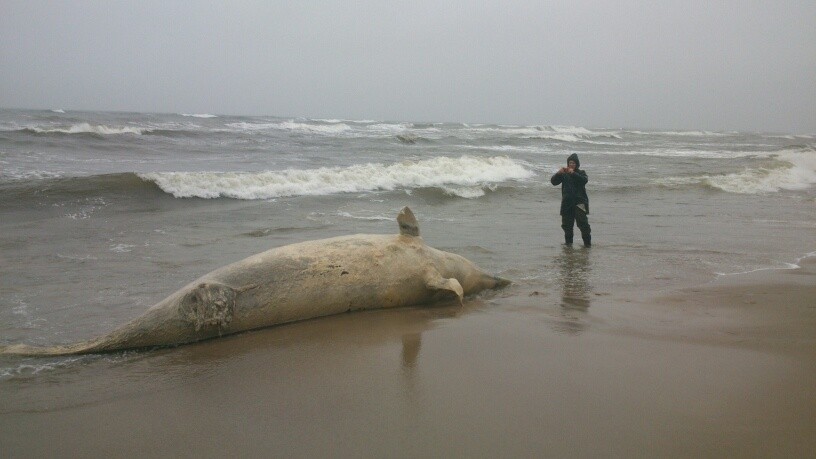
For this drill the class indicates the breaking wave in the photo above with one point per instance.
(199, 115)
(681, 133)
(292, 126)
(557, 133)
(789, 170)
(87, 128)
(466, 177)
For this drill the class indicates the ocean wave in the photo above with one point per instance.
(557, 137)
(459, 176)
(199, 115)
(500, 148)
(789, 170)
(387, 128)
(14, 175)
(87, 128)
(682, 133)
(58, 110)
(793, 136)
(557, 133)
(293, 126)
(86, 189)
(686, 153)
(335, 121)
(409, 138)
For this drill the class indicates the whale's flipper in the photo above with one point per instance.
(407, 223)
(434, 281)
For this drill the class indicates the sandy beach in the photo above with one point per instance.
(723, 369)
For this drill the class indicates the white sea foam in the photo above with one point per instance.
(100, 129)
(559, 133)
(459, 176)
(244, 126)
(199, 115)
(121, 248)
(468, 192)
(330, 129)
(501, 148)
(682, 133)
(13, 174)
(33, 368)
(780, 266)
(805, 256)
(21, 309)
(58, 110)
(681, 153)
(791, 170)
(293, 126)
(336, 120)
(784, 266)
(389, 128)
(372, 217)
(79, 258)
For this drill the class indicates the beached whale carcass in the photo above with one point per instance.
(296, 282)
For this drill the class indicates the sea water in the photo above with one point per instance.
(104, 214)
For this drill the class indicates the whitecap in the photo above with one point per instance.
(293, 126)
(372, 218)
(466, 171)
(790, 170)
(121, 248)
(87, 128)
(18, 175)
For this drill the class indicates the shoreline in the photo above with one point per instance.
(768, 309)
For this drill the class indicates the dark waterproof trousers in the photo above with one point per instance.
(580, 217)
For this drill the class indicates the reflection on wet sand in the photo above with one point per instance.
(411, 343)
(573, 276)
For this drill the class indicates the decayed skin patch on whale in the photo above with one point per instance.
(209, 305)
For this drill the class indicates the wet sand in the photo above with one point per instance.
(724, 369)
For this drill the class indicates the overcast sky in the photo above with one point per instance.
(735, 65)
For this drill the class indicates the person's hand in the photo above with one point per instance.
(563, 170)
(569, 170)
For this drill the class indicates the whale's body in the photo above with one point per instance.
(296, 282)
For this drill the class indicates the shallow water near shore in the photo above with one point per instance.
(588, 353)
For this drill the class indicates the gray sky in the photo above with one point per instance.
(719, 65)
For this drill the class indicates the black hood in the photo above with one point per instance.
(574, 157)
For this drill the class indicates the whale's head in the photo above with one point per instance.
(472, 278)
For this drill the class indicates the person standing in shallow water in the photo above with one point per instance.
(574, 199)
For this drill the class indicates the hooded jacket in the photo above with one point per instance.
(573, 187)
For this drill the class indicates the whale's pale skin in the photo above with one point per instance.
(296, 282)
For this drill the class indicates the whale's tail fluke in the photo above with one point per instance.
(45, 351)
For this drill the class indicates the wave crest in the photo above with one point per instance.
(87, 128)
(459, 176)
(790, 170)
(292, 126)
